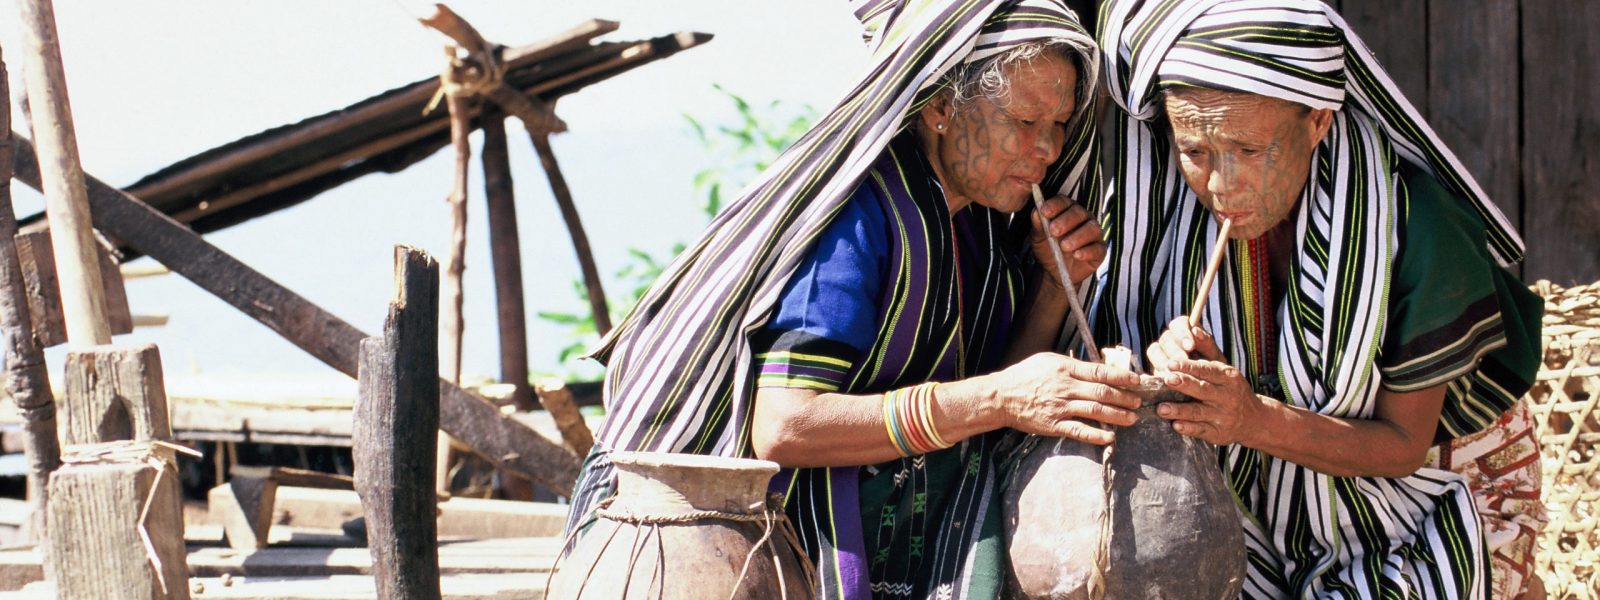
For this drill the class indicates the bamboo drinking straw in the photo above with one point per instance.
(1211, 273)
(1066, 281)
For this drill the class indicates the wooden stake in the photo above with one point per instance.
(1211, 273)
(27, 379)
(505, 250)
(66, 205)
(396, 415)
(113, 536)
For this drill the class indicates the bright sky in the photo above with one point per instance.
(154, 82)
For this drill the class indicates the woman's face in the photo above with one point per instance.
(1247, 157)
(993, 151)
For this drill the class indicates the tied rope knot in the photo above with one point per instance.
(156, 454)
(476, 74)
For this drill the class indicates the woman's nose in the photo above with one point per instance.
(1047, 146)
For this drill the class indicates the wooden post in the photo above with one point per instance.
(505, 250)
(66, 205)
(114, 393)
(395, 417)
(27, 379)
(580, 240)
(454, 322)
(116, 524)
(502, 440)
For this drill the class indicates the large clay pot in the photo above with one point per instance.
(684, 526)
(1174, 531)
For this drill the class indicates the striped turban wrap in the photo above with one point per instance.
(1309, 534)
(679, 367)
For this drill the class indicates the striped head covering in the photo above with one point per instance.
(1331, 324)
(679, 376)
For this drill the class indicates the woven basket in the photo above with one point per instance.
(1566, 405)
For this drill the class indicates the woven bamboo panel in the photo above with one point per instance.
(1566, 404)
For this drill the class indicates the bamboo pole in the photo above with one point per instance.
(66, 201)
(27, 379)
(505, 251)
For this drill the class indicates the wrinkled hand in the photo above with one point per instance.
(1051, 394)
(1082, 241)
(1225, 406)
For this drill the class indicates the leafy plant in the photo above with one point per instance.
(743, 148)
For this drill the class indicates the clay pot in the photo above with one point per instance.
(686, 526)
(1174, 530)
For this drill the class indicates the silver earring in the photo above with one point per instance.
(939, 127)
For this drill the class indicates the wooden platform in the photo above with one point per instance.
(503, 568)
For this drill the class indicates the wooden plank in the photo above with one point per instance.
(243, 506)
(1561, 133)
(503, 441)
(1476, 41)
(328, 510)
(66, 201)
(114, 393)
(1396, 32)
(95, 528)
(396, 417)
(27, 378)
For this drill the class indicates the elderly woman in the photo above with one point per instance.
(1363, 314)
(870, 314)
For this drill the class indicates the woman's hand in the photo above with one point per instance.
(1226, 407)
(1051, 394)
(1082, 242)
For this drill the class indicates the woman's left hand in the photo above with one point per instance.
(1226, 409)
(1082, 242)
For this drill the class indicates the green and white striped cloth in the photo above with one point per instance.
(1309, 534)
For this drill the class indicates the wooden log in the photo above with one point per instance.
(116, 528)
(505, 442)
(505, 253)
(557, 399)
(27, 379)
(66, 204)
(396, 414)
(44, 292)
(114, 393)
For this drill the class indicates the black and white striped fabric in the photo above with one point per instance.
(1310, 535)
(679, 367)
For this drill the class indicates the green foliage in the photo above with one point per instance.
(743, 147)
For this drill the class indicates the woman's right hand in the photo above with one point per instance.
(1055, 395)
(1182, 341)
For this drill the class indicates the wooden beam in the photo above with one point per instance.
(396, 415)
(66, 204)
(505, 442)
(505, 253)
(27, 378)
(450, 316)
(114, 393)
